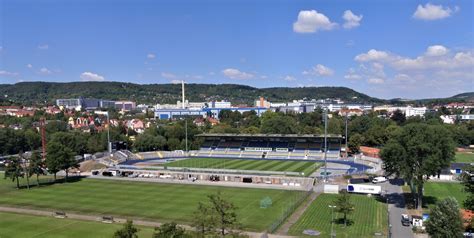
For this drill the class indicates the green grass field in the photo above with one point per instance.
(306, 167)
(369, 217)
(463, 157)
(162, 202)
(19, 225)
(436, 191)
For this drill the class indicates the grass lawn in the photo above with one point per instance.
(306, 167)
(463, 157)
(369, 217)
(19, 225)
(162, 202)
(436, 191)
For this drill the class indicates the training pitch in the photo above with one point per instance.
(157, 201)
(306, 167)
(368, 218)
(19, 225)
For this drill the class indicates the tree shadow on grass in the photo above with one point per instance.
(340, 221)
(45, 182)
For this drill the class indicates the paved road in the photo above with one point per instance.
(397, 208)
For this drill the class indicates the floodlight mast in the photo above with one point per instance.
(325, 144)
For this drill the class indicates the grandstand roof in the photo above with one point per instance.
(268, 135)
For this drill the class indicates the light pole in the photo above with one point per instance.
(346, 137)
(333, 234)
(186, 132)
(109, 147)
(325, 144)
(389, 226)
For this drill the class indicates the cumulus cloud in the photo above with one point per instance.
(289, 78)
(319, 70)
(372, 55)
(175, 81)
(43, 47)
(151, 56)
(89, 76)
(431, 12)
(436, 50)
(351, 20)
(29, 66)
(312, 21)
(237, 74)
(8, 74)
(44, 71)
(438, 71)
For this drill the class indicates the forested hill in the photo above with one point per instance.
(36, 93)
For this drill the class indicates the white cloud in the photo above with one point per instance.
(151, 56)
(237, 74)
(375, 81)
(29, 66)
(8, 74)
(351, 20)
(263, 77)
(44, 71)
(372, 55)
(175, 81)
(436, 72)
(319, 70)
(352, 75)
(431, 12)
(43, 47)
(168, 75)
(436, 50)
(312, 21)
(89, 76)
(289, 78)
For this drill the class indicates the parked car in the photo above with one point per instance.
(405, 220)
(379, 179)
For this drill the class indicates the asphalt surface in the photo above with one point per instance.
(396, 209)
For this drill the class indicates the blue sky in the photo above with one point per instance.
(387, 49)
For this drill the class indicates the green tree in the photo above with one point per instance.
(14, 170)
(128, 231)
(445, 220)
(225, 212)
(170, 230)
(35, 166)
(59, 158)
(344, 205)
(467, 179)
(204, 220)
(147, 142)
(278, 123)
(354, 143)
(419, 151)
(398, 117)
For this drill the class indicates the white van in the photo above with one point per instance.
(379, 179)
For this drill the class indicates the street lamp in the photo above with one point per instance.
(325, 144)
(389, 226)
(333, 234)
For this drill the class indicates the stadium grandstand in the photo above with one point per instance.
(271, 146)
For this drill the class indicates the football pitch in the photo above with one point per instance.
(306, 167)
(20, 225)
(464, 157)
(145, 200)
(369, 217)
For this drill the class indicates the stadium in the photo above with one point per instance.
(287, 161)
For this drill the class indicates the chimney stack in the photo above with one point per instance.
(182, 92)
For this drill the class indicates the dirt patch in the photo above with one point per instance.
(89, 165)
